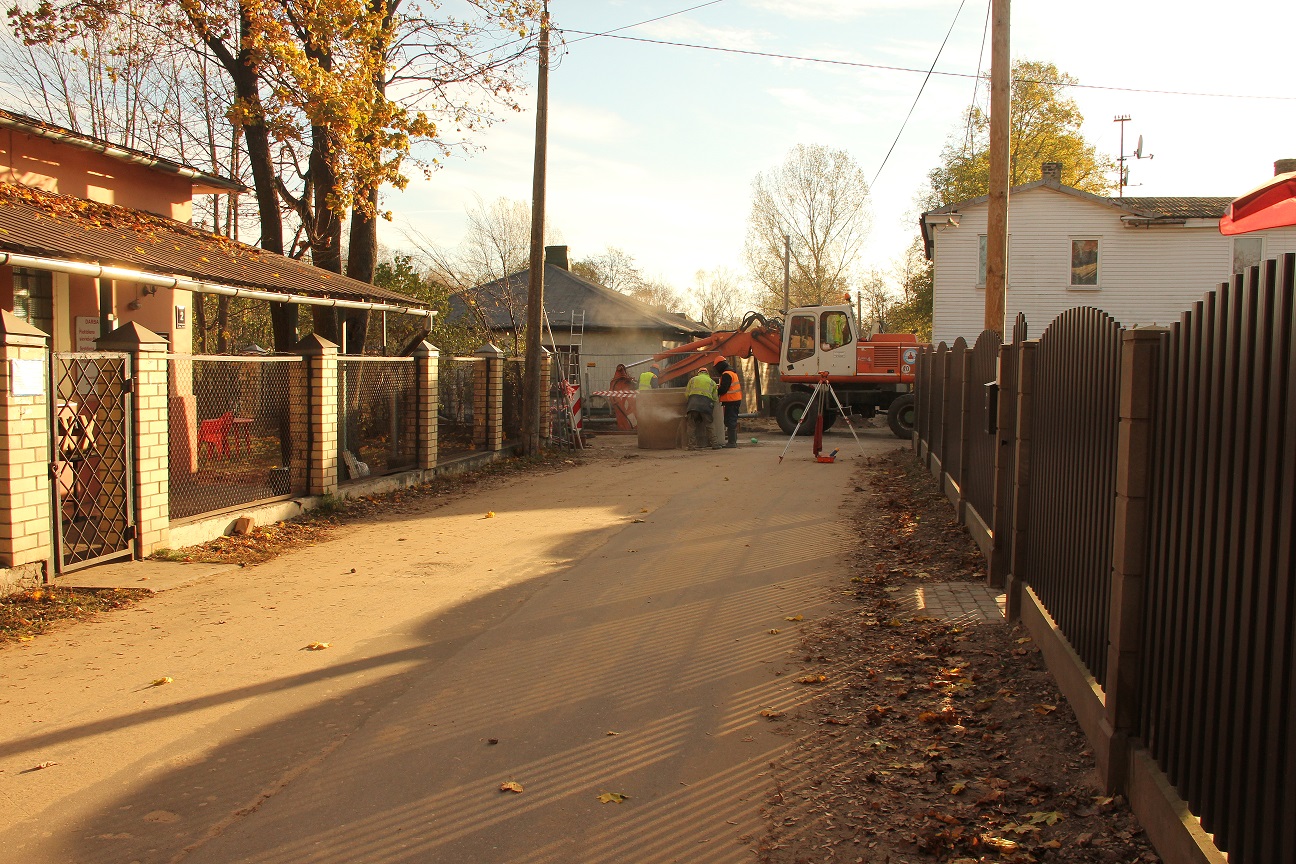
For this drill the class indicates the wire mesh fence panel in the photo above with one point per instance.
(239, 431)
(92, 457)
(377, 416)
(457, 384)
(514, 371)
(597, 372)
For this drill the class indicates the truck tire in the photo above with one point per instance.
(790, 409)
(900, 416)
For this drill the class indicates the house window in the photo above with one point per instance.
(1084, 262)
(801, 338)
(34, 297)
(1248, 252)
(981, 259)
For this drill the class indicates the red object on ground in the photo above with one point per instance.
(1272, 205)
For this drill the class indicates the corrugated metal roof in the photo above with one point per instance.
(565, 293)
(58, 226)
(1177, 208)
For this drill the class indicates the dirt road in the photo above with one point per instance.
(613, 630)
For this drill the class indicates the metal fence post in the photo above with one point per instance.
(1021, 478)
(1005, 436)
(1141, 352)
(322, 384)
(942, 449)
(426, 368)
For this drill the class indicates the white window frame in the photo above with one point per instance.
(1233, 251)
(982, 258)
(1098, 281)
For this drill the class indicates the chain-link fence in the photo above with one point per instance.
(457, 385)
(377, 416)
(233, 424)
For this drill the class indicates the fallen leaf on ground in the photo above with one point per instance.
(611, 732)
(643, 510)
(43, 765)
(159, 682)
(490, 514)
(957, 788)
(774, 632)
(511, 786)
(1045, 709)
(813, 679)
(317, 646)
(771, 713)
(794, 618)
(612, 798)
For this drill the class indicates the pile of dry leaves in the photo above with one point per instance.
(29, 613)
(932, 740)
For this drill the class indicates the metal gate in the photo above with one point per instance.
(92, 465)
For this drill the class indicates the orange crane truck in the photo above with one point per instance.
(870, 374)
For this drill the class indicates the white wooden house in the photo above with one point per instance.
(1142, 260)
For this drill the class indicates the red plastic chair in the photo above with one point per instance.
(215, 434)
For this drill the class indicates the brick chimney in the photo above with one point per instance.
(557, 256)
(1284, 166)
(1051, 171)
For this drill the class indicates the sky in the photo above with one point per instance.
(653, 148)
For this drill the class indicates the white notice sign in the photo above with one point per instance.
(87, 331)
(27, 377)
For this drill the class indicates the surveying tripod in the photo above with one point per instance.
(818, 398)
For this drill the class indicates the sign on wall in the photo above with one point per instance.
(87, 331)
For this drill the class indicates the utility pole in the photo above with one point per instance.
(531, 395)
(997, 227)
(787, 271)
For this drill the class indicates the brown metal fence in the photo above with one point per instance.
(938, 427)
(232, 422)
(951, 440)
(1218, 691)
(923, 399)
(979, 470)
(377, 416)
(1075, 424)
(1158, 475)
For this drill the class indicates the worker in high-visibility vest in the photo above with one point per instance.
(730, 394)
(699, 407)
(649, 380)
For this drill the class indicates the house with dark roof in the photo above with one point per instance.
(592, 328)
(94, 235)
(1143, 260)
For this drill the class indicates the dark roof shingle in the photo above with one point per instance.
(1177, 207)
(34, 222)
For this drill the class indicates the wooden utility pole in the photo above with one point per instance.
(531, 394)
(997, 228)
(787, 271)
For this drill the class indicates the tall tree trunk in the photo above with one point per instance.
(326, 233)
(362, 251)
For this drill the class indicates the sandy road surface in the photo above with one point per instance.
(465, 652)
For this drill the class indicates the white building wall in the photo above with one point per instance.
(1147, 275)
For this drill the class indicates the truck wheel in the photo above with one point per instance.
(790, 410)
(900, 416)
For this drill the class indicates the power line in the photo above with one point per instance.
(886, 68)
(936, 60)
(967, 136)
(641, 23)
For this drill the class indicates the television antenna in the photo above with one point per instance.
(1123, 174)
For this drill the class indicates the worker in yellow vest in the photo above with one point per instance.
(730, 390)
(649, 380)
(699, 409)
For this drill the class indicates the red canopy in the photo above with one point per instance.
(1272, 205)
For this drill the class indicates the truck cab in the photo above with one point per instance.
(819, 339)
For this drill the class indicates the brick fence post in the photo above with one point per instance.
(427, 361)
(488, 399)
(151, 432)
(546, 382)
(321, 358)
(1021, 477)
(26, 529)
(1141, 352)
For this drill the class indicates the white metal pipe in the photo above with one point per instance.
(101, 271)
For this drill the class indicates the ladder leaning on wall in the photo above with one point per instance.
(567, 419)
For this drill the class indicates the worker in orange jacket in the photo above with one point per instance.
(730, 390)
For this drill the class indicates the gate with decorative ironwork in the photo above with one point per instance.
(91, 468)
